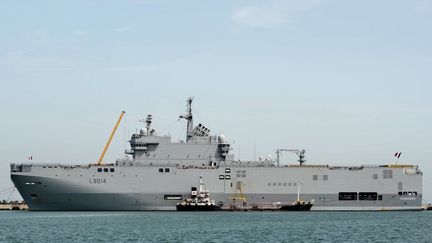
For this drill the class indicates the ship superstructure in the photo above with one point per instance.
(161, 172)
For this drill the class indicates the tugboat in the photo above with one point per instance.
(297, 205)
(199, 200)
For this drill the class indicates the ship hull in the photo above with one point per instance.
(63, 188)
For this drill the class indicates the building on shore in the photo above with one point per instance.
(13, 205)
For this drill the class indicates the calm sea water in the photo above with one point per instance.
(216, 227)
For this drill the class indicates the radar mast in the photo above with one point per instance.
(188, 116)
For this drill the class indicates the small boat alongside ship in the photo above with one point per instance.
(199, 200)
(298, 205)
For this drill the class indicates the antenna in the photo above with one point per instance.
(188, 116)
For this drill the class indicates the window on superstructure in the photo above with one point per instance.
(241, 173)
(315, 177)
(380, 197)
(167, 170)
(375, 176)
(400, 186)
(325, 177)
(99, 170)
(111, 169)
(294, 184)
(105, 169)
(387, 174)
(160, 170)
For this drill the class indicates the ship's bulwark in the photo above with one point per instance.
(160, 173)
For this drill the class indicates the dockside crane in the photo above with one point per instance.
(110, 138)
(300, 154)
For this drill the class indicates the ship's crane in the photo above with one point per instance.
(110, 138)
(300, 154)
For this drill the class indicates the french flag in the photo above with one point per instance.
(398, 155)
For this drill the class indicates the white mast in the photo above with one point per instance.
(298, 192)
(201, 186)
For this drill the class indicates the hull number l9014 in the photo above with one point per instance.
(97, 181)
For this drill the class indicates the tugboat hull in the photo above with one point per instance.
(198, 208)
(297, 207)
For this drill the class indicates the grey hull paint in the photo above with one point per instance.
(54, 198)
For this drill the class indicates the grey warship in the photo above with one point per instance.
(160, 173)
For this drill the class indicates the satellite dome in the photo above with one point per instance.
(221, 138)
(143, 131)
